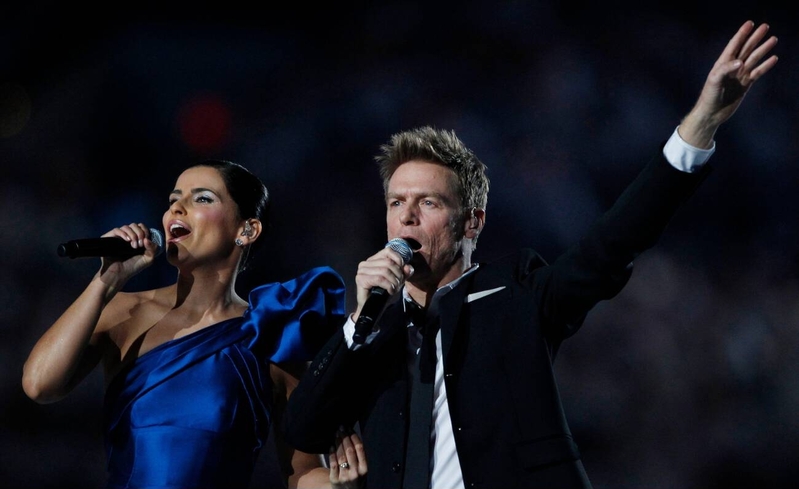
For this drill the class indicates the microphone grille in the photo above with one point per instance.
(157, 238)
(402, 247)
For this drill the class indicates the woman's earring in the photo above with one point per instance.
(239, 242)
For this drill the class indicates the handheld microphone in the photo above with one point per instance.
(109, 246)
(378, 296)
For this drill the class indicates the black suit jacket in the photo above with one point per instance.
(498, 353)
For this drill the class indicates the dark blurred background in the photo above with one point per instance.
(687, 379)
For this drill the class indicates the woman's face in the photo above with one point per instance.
(202, 222)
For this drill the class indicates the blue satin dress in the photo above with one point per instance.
(194, 412)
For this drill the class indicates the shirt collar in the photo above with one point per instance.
(441, 290)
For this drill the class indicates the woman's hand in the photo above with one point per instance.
(348, 462)
(115, 271)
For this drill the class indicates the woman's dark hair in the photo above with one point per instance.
(250, 195)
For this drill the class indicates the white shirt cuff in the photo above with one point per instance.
(349, 331)
(683, 156)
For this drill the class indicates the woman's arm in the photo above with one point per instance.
(65, 353)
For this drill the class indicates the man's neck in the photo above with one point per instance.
(422, 291)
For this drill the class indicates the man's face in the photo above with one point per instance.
(422, 205)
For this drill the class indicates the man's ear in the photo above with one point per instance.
(475, 222)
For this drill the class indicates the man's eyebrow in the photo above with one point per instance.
(435, 195)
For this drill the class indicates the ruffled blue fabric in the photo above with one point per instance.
(194, 412)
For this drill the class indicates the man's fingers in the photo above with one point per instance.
(733, 47)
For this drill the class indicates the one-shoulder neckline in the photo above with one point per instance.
(194, 334)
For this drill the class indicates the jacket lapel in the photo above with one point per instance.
(450, 310)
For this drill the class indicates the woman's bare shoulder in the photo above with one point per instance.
(127, 309)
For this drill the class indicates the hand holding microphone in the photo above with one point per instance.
(378, 296)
